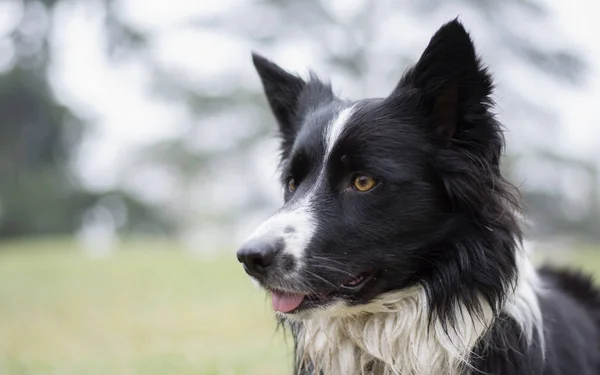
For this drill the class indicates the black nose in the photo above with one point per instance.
(257, 256)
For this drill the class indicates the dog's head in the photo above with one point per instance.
(384, 194)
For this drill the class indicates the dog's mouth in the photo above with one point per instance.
(291, 302)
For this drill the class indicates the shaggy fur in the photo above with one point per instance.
(393, 334)
(421, 272)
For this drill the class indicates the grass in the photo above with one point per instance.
(150, 308)
(158, 310)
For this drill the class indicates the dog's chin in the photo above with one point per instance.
(333, 309)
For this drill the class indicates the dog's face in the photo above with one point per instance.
(360, 202)
(367, 209)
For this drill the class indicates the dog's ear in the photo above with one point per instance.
(283, 91)
(448, 80)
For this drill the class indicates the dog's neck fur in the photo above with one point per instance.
(393, 334)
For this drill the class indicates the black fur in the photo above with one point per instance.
(441, 215)
(571, 308)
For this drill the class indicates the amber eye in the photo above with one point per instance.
(291, 184)
(363, 183)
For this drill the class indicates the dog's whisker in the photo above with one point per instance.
(322, 279)
(337, 270)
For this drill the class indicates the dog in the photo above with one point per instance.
(398, 249)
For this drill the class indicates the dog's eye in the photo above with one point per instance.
(364, 183)
(291, 185)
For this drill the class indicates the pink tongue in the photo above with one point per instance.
(286, 302)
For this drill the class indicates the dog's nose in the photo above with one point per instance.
(257, 256)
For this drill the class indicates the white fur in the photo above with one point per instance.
(300, 218)
(523, 305)
(391, 333)
(335, 129)
(390, 336)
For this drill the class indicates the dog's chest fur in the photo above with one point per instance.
(394, 338)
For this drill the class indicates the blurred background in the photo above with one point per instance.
(137, 151)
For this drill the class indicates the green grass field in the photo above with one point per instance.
(150, 308)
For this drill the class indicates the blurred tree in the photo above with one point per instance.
(39, 194)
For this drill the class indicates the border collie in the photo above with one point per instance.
(398, 249)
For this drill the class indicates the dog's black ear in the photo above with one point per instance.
(283, 91)
(448, 80)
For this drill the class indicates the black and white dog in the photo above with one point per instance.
(397, 250)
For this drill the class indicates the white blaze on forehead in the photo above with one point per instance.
(336, 127)
(294, 225)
